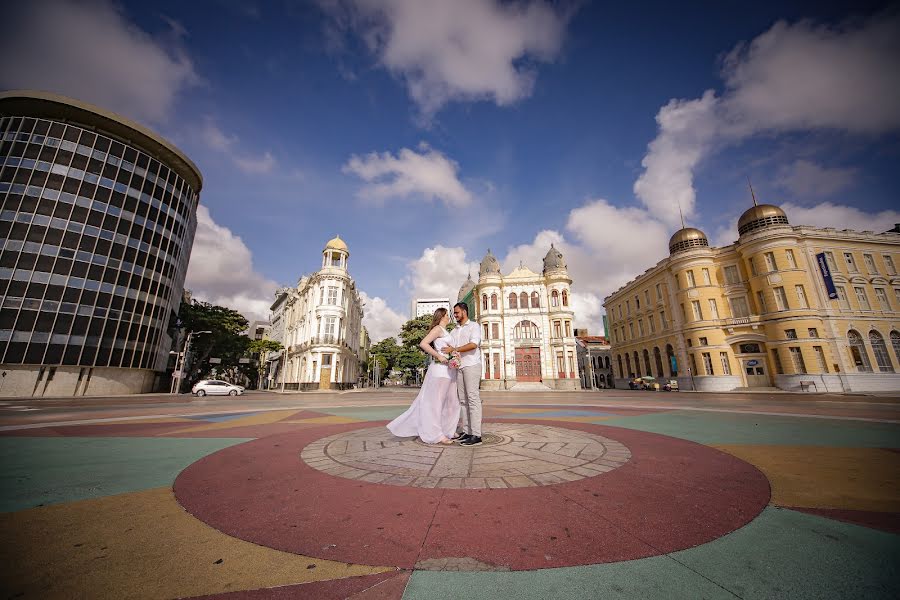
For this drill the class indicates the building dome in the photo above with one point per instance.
(553, 260)
(687, 237)
(489, 265)
(336, 244)
(761, 216)
(465, 288)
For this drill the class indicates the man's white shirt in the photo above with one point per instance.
(470, 333)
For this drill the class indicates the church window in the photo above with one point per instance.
(484, 302)
(554, 301)
(493, 301)
(535, 300)
(513, 300)
(565, 298)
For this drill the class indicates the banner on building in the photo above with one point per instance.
(826, 276)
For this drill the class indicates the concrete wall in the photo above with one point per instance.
(29, 381)
(843, 382)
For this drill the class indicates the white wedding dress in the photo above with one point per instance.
(435, 411)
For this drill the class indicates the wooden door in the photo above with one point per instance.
(325, 378)
(528, 364)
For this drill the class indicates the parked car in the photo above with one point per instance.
(215, 387)
(671, 385)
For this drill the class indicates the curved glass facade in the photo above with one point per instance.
(95, 234)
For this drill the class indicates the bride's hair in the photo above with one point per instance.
(439, 314)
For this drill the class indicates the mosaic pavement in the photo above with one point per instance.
(565, 502)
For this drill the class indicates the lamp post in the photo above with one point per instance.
(180, 371)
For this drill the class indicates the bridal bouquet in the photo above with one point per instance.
(454, 360)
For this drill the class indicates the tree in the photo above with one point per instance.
(225, 341)
(385, 354)
(258, 349)
(412, 333)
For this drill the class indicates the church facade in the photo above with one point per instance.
(322, 326)
(527, 324)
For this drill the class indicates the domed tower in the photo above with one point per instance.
(687, 238)
(465, 288)
(553, 261)
(489, 267)
(759, 217)
(335, 255)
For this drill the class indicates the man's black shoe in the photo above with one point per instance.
(459, 435)
(462, 438)
(472, 440)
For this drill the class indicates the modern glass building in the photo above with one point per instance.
(97, 220)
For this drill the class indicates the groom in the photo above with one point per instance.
(467, 341)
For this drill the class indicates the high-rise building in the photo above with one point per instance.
(792, 307)
(97, 224)
(427, 306)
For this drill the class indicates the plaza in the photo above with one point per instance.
(573, 495)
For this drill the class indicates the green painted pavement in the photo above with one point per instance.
(41, 471)
(781, 554)
(365, 414)
(737, 428)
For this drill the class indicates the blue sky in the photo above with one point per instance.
(425, 132)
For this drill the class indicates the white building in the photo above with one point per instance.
(427, 306)
(322, 326)
(526, 320)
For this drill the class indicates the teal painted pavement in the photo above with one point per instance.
(744, 428)
(42, 471)
(781, 554)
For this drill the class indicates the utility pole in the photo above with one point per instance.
(187, 346)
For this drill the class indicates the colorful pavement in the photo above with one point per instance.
(567, 502)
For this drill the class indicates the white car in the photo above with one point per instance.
(215, 387)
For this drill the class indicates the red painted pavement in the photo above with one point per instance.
(672, 494)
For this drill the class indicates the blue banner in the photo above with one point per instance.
(826, 275)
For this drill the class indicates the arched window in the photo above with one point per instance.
(637, 364)
(554, 298)
(621, 372)
(881, 354)
(858, 352)
(647, 368)
(606, 361)
(895, 342)
(484, 302)
(513, 300)
(535, 300)
(493, 301)
(658, 357)
(526, 330)
(670, 355)
(628, 364)
(523, 300)
(565, 295)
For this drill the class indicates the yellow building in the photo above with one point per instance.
(791, 307)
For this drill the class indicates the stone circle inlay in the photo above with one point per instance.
(519, 455)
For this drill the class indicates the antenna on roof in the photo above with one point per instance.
(681, 214)
(752, 195)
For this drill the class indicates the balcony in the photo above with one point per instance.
(751, 320)
(526, 341)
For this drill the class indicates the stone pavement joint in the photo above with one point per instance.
(516, 456)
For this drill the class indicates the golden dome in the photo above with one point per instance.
(336, 244)
(687, 237)
(761, 216)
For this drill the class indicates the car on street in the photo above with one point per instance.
(216, 387)
(671, 385)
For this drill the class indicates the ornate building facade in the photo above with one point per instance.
(322, 327)
(527, 324)
(792, 307)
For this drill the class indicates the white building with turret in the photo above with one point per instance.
(322, 326)
(528, 339)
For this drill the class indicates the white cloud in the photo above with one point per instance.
(439, 273)
(229, 145)
(839, 216)
(427, 173)
(90, 50)
(463, 50)
(381, 321)
(806, 179)
(221, 271)
(790, 78)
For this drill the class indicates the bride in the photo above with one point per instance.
(435, 411)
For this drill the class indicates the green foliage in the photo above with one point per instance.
(224, 342)
(258, 347)
(385, 354)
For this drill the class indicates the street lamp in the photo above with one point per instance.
(179, 375)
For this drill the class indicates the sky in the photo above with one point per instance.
(425, 132)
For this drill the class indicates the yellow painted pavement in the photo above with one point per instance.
(825, 477)
(141, 545)
(329, 420)
(264, 418)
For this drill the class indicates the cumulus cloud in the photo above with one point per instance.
(90, 50)
(221, 271)
(428, 174)
(793, 77)
(438, 273)
(463, 50)
(229, 145)
(381, 321)
(840, 216)
(806, 179)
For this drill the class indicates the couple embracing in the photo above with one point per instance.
(449, 391)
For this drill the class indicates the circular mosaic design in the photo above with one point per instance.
(518, 456)
(487, 439)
